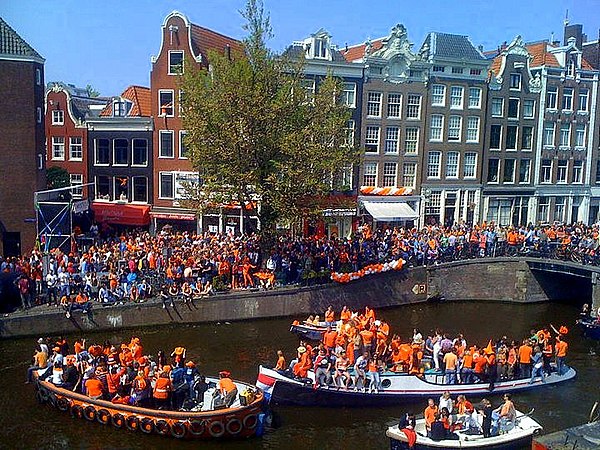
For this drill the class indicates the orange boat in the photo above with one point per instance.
(241, 420)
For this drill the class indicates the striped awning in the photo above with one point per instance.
(373, 190)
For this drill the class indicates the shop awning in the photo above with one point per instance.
(388, 211)
(121, 214)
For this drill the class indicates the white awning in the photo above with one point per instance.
(389, 211)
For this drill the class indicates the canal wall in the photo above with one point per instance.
(509, 280)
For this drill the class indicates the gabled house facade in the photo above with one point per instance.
(511, 133)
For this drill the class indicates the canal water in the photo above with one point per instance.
(240, 347)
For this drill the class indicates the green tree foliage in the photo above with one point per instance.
(91, 92)
(255, 134)
(57, 177)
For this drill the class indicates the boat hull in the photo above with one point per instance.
(591, 328)
(518, 444)
(311, 333)
(398, 388)
(228, 423)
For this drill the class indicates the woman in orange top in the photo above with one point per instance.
(162, 390)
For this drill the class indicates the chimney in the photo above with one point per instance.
(575, 31)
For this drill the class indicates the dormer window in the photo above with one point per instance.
(320, 48)
(175, 62)
(570, 67)
(121, 107)
(58, 117)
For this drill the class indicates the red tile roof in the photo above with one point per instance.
(140, 97)
(357, 52)
(204, 40)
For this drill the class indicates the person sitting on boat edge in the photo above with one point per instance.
(341, 371)
(281, 364)
(226, 390)
(507, 414)
(360, 377)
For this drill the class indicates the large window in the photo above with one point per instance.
(513, 108)
(413, 106)
(567, 99)
(493, 167)
(121, 188)
(526, 138)
(409, 175)
(559, 208)
(474, 98)
(561, 171)
(434, 162)
(411, 142)
(452, 165)
(436, 127)
(58, 147)
(166, 144)
(438, 95)
(349, 95)
(546, 175)
(583, 100)
(102, 149)
(577, 171)
(549, 134)
(140, 152)
(511, 137)
(515, 81)
(372, 139)
(509, 171)
(370, 174)
(524, 170)
(58, 117)
(551, 98)
(528, 108)
(497, 107)
(166, 185)
(470, 165)
(543, 209)
(473, 129)
(140, 189)
(349, 134)
(308, 87)
(565, 135)
(103, 188)
(374, 104)
(75, 148)
(580, 136)
(495, 136)
(175, 62)
(165, 103)
(391, 140)
(390, 174)
(456, 97)
(121, 152)
(394, 106)
(454, 128)
(76, 180)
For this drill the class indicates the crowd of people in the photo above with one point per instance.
(183, 266)
(123, 374)
(357, 348)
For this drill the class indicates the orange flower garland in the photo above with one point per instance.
(367, 270)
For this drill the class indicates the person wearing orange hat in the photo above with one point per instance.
(178, 356)
(190, 373)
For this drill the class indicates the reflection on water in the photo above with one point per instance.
(240, 347)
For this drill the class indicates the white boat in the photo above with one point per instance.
(518, 435)
(395, 388)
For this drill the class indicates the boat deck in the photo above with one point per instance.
(583, 437)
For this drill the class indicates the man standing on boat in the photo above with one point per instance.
(507, 414)
(561, 353)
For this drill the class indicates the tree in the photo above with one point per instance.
(91, 92)
(57, 177)
(254, 134)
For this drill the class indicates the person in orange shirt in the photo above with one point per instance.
(94, 388)
(281, 364)
(345, 314)
(367, 336)
(450, 363)
(430, 413)
(304, 363)
(330, 316)
(466, 371)
(525, 351)
(329, 339)
(162, 390)
(561, 353)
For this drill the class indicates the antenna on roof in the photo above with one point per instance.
(567, 18)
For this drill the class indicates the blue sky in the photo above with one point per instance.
(108, 43)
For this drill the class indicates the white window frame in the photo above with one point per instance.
(373, 138)
(470, 166)
(454, 129)
(567, 99)
(133, 199)
(562, 171)
(578, 171)
(549, 131)
(394, 106)
(583, 99)
(160, 192)
(495, 101)
(564, 143)
(133, 164)
(409, 174)
(349, 133)
(370, 173)
(473, 129)
(497, 181)
(58, 148)
(552, 98)
(436, 128)
(580, 135)
(438, 98)
(527, 179)
(97, 191)
(434, 164)
(457, 100)
(411, 140)
(349, 94)
(73, 146)
(452, 164)
(514, 167)
(58, 117)
(114, 152)
(546, 171)
(309, 87)
(392, 138)
(76, 179)
(526, 102)
(411, 106)
(160, 151)
(374, 104)
(38, 76)
(501, 136)
(530, 141)
(160, 107)
(390, 177)
(472, 104)
(182, 133)
(169, 71)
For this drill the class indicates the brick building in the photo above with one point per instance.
(182, 42)
(22, 167)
